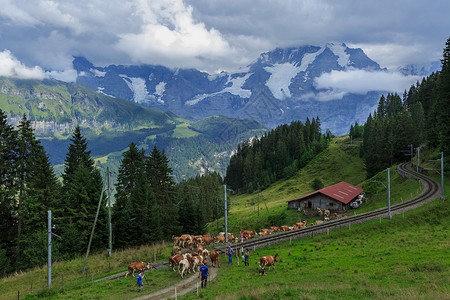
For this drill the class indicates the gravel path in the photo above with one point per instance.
(183, 287)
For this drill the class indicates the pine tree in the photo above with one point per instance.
(443, 102)
(82, 188)
(38, 192)
(131, 168)
(8, 189)
(162, 186)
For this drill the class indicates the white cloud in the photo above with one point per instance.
(217, 35)
(339, 83)
(169, 35)
(69, 75)
(11, 67)
(15, 14)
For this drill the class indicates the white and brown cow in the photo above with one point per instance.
(268, 260)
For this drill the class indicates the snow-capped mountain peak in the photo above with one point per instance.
(282, 80)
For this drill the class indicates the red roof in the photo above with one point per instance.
(343, 192)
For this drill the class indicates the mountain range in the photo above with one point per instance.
(277, 88)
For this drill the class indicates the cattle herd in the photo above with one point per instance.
(189, 252)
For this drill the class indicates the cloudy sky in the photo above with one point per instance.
(39, 37)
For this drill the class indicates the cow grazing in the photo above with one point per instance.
(137, 266)
(268, 260)
(215, 258)
(317, 222)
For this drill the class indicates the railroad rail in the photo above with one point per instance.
(430, 192)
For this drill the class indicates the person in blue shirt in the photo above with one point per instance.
(246, 257)
(230, 253)
(204, 271)
(139, 277)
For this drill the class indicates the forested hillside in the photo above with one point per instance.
(277, 154)
(421, 118)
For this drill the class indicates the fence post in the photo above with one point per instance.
(31, 289)
(18, 295)
(62, 275)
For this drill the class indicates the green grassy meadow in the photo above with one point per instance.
(407, 257)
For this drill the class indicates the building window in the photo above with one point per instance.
(331, 204)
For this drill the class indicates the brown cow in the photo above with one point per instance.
(215, 257)
(248, 234)
(176, 250)
(285, 228)
(200, 249)
(208, 239)
(268, 260)
(275, 228)
(219, 239)
(175, 260)
(176, 240)
(137, 266)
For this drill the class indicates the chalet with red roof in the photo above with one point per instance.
(334, 197)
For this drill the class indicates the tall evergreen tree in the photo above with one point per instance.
(443, 102)
(159, 176)
(82, 188)
(8, 221)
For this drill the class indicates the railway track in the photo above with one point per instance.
(429, 193)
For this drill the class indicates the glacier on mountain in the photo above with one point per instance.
(280, 79)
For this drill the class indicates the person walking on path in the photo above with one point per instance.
(246, 257)
(204, 271)
(230, 253)
(139, 277)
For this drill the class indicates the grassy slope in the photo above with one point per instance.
(406, 258)
(335, 164)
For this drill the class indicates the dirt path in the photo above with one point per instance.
(183, 287)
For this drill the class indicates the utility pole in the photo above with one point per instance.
(418, 158)
(412, 153)
(225, 203)
(109, 215)
(93, 229)
(389, 194)
(49, 243)
(442, 175)
(217, 213)
(258, 202)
